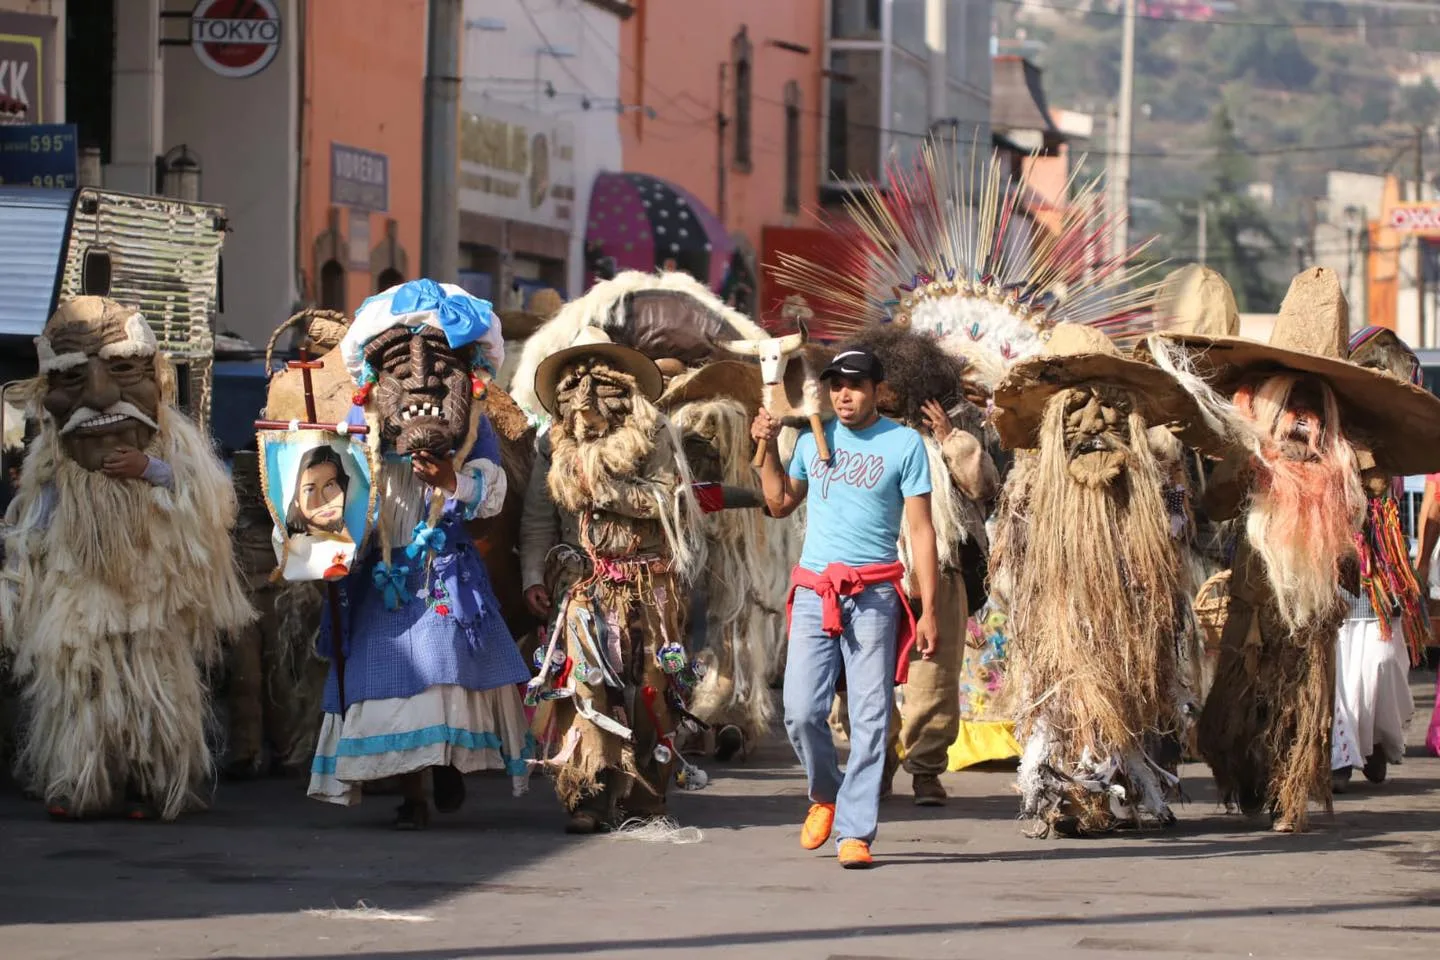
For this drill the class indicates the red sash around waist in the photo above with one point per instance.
(840, 580)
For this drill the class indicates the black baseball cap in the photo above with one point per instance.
(857, 362)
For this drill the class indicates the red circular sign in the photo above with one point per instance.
(235, 38)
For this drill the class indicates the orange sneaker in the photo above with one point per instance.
(855, 855)
(818, 822)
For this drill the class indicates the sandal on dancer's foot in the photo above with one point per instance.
(412, 815)
(449, 788)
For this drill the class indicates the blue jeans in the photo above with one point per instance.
(867, 650)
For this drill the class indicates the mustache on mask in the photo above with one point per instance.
(124, 408)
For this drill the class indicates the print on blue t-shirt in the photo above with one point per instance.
(857, 500)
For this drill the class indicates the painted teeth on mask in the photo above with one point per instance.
(420, 410)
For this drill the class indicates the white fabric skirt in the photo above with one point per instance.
(1373, 705)
(446, 725)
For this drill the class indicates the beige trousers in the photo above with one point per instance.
(929, 720)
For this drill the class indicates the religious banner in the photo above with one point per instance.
(319, 490)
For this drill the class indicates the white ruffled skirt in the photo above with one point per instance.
(445, 725)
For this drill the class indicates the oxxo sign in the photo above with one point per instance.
(235, 38)
(1422, 219)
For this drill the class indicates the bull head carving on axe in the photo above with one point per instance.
(775, 355)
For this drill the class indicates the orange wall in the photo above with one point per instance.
(364, 81)
(678, 48)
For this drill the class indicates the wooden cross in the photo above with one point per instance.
(332, 591)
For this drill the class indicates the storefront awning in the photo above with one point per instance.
(34, 224)
(642, 221)
(1019, 114)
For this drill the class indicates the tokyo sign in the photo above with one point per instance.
(1414, 219)
(235, 38)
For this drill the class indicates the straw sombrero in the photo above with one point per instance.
(1080, 356)
(591, 341)
(520, 324)
(1399, 422)
(722, 380)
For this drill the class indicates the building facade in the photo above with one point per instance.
(361, 90)
(540, 122)
(732, 97)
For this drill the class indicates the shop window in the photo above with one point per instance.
(332, 286)
(388, 278)
(852, 149)
(740, 53)
(855, 19)
(792, 147)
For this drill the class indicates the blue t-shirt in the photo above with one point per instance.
(856, 501)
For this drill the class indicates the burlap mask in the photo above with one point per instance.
(422, 390)
(594, 399)
(1097, 433)
(102, 385)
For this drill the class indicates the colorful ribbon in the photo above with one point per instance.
(390, 580)
(425, 537)
(463, 319)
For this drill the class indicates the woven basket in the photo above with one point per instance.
(1212, 606)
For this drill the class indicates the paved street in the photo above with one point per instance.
(499, 879)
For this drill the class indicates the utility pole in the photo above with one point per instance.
(1419, 240)
(720, 122)
(440, 169)
(1203, 239)
(1120, 162)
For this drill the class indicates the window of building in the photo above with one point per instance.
(332, 286)
(907, 26)
(792, 147)
(853, 141)
(740, 52)
(389, 277)
(855, 19)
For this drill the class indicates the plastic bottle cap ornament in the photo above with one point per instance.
(662, 753)
(698, 669)
(672, 658)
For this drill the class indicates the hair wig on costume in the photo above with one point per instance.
(917, 370)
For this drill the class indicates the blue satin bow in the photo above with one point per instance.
(425, 537)
(463, 318)
(390, 579)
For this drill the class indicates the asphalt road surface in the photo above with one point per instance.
(270, 874)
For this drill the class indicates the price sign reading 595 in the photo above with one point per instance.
(50, 142)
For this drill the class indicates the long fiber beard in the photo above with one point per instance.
(100, 528)
(1302, 522)
(580, 469)
(1092, 578)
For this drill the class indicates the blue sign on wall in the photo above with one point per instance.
(39, 155)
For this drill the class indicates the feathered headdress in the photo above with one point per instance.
(946, 252)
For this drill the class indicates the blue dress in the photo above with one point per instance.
(431, 671)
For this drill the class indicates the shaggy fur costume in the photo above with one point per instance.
(641, 542)
(745, 603)
(1266, 725)
(605, 306)
(1092, 583)
(113, 610)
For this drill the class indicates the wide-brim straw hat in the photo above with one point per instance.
(1398, 422)
(520, 324)
(1080, 356)
(592, 342)
(722, 380)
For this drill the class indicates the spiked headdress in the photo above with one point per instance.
(947, 251)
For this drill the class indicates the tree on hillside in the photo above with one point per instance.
(1239, 240)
